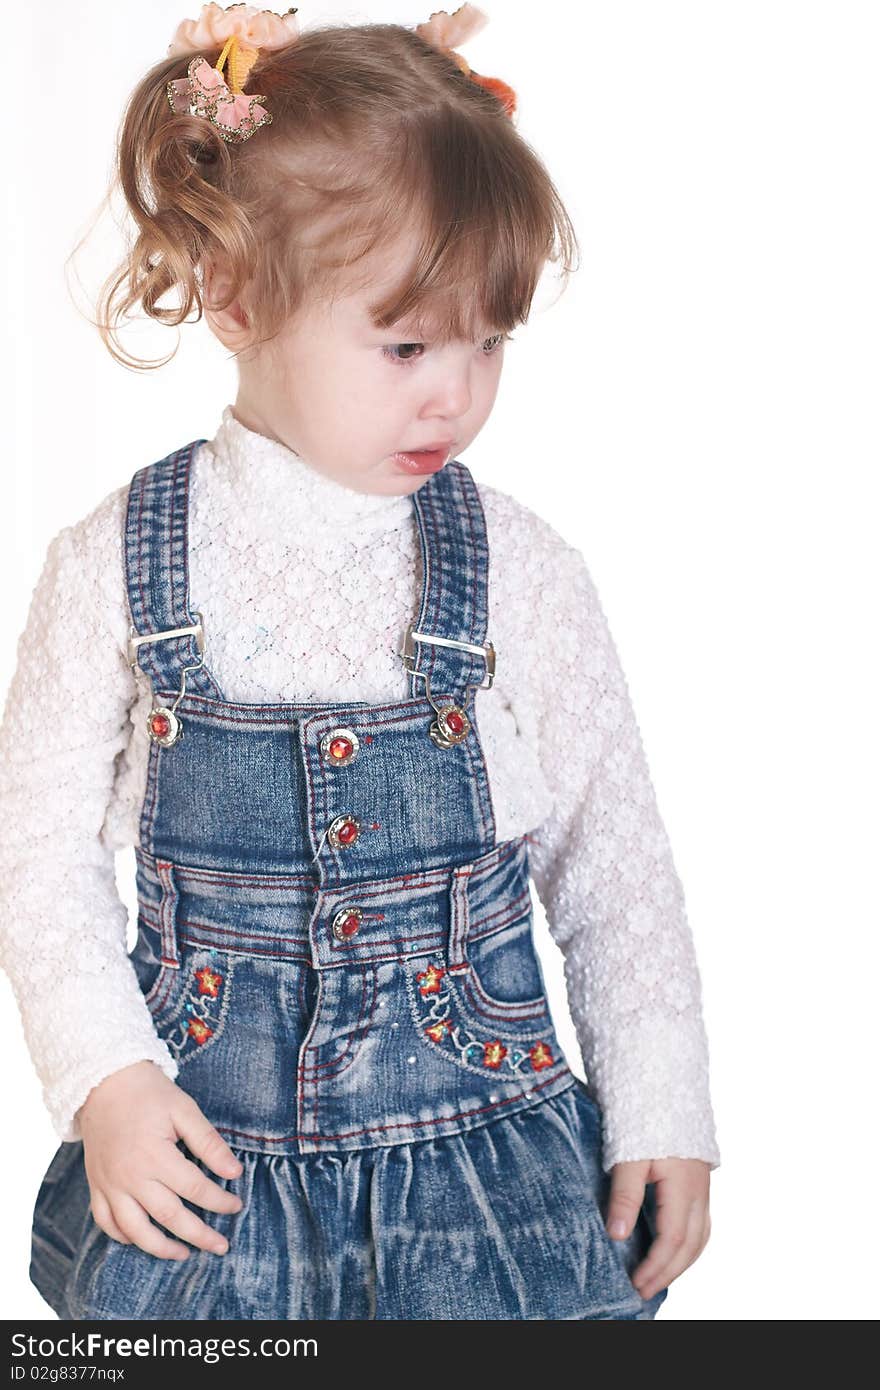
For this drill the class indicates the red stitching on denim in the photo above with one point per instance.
(168, 906)
(246, 938)
(408, 1124)
(517, 906)
(180, 509)
(325, 1068)
(301, 992)
(423, 878)
(157, 1002)
(232, 880)
(436, 599)
(229, 932)
(317, 787)
(483, 1003)
(149, 807)
(436, 933)
(474, 567)
(234, 934)
(303, 1052)
(409, 714)
(148, 829)
(380, 890)
(479, 773)
(140, 550)
(321, 1070)
(474, 744)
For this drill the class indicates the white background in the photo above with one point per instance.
(698, 413)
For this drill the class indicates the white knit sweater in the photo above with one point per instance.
(306, 587)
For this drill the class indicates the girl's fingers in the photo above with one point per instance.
(625, 1198)
(167, 1208)
(186, 1179)
(104, 1218)
(680, 1224)
(131, 1218)
(202, 1139)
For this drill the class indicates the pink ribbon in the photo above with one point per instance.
(204, 92)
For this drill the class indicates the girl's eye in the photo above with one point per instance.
(395, 347)
(490, 346)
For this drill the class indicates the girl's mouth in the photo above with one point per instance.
(422, 460)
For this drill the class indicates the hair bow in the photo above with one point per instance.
(205, 91)
(446, 31)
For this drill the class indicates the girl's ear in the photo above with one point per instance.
(227, 321)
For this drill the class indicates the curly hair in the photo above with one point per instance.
(373, 131)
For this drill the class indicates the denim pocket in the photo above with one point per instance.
(189, 1002)
(507, 1037)
(156, 978)
(503, 981)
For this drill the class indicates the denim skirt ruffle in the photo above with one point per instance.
(503, 1221)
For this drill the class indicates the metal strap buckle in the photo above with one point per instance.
(408, 653)
(160, 714)
(134, 640)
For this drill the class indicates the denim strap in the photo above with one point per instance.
(157, 573)
(455, 575)
(455, 582)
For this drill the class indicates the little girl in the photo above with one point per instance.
(346, 702)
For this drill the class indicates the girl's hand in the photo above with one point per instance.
(130, 1125)
(683, 1223)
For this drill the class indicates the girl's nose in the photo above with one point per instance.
(451, 399)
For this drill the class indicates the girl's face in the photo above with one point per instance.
(348, 397)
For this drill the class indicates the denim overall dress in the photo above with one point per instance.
(340, 958)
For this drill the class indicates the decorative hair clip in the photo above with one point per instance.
(446, 31)
(242, 30)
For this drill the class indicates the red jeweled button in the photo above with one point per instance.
(454, 721)
(340, 746)
(346, 923)
(343, 831)
(163, 726)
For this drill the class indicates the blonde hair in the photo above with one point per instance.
(373, 131)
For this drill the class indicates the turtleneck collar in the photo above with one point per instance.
(257, 467)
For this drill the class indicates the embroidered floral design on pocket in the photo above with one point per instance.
(209, 981)
(432, 977)
(541, 1056)
(492, 1053)
(199, 1011)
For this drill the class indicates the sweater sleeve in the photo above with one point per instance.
(62, 922)
(605, 875)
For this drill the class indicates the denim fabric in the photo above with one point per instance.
(365, 1021)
